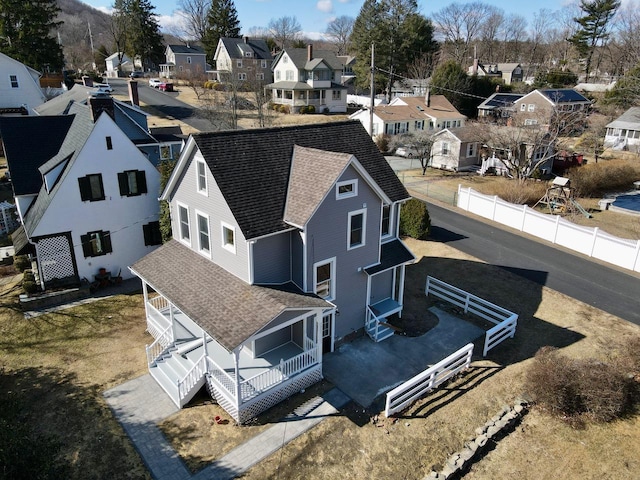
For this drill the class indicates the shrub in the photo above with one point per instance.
(382, 141)
(311, 109)
(578, 389)
(283, 108)
(303, 110)
(607, 176)
(21, 262)
(521, 193)
(414, 219)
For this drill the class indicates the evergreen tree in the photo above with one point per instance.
(25, 33)
(222, 21)
(450, 80)
(593, 28)
(143, 38)
(400, 35)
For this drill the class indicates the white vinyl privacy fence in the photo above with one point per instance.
(505, 321)
(402, 396)
(553, 228)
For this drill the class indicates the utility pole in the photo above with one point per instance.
(373, 91)
(93, 55)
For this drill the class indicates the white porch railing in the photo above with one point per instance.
(156, 321)
(222, 379)
(275, 375)
(402, 396)
(192, 378)
(505, 321)
(159, 345)
(375, 327)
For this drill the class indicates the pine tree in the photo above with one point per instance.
(593, 28)
(222, 21)
(142, 38)
(25, 33)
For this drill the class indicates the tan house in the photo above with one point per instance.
(245, 59)
(412, 114)
(456, 149)
(544, 106)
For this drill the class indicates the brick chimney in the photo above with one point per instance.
(246, 39)
(427, 98)
(133, 93)
(99, 103)
(309, 52)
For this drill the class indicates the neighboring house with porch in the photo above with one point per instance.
(624, 132)
(20, 90)
(304, 77)
(550, 105)
(183, 59)
(283, 247)
(244, 59)
(456, 149)
(118, 64)
(412, 114)
(87, 195)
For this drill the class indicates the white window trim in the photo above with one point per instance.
(226, 246)
(523, 107)
(531, 107)
(353, 193)
(390, 234)
(362, 211)
(332, 288)
(201, 251)
(186, 241)
(204, 192)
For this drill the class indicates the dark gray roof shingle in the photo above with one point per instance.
(392, 254)
(237, 47)
(229, 309)
(30, 142)
(251, 167)
(187, 49)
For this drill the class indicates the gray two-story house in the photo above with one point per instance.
(285, 243)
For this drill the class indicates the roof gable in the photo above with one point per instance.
(236, 47)
(186, 49)
(252, 168)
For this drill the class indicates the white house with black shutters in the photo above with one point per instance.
(97, 205)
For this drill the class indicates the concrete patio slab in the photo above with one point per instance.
(364, 369)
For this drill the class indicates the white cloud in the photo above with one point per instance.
(171, 23)
(313, 35)
(107, 10)
(325, 6)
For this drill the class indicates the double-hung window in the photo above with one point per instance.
(91, 188)
(324, 279)
(204, 243)
(132, 183)
(201, 173)
(183, 219)
(356, 230)
(13, 79)
(96, 243)
(385, 229)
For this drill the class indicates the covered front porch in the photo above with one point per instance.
(282, 358)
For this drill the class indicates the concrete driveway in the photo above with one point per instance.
(365, 370)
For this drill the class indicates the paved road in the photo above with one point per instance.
(606, 288)
(167, 103)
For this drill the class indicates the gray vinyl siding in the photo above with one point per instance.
(215, 206)
(282, 318)
(297, 268)
(327, 238)
(272, 259)
(272, 341)
(381, 286)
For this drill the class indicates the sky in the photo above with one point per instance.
(314, 15)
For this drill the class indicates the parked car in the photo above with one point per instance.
(405, 152)
(103, 87)
(154, 82)
(166, 87)
(136, 74)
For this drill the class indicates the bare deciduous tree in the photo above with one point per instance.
(338, 31)
(419, 144)
(194, 13)
(284, 30)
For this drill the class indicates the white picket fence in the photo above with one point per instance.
(505, 321)
(402, 396)
(590, 241)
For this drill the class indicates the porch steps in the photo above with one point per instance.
(170, 368)
(383, 333)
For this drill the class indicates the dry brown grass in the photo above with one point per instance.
(57, 366)
(596, 179)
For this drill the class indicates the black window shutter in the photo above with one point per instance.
(146, 230)
(142, 181)
(123, 183)
(102, 197)
(86, 245)
(106, 242)
(85, 188)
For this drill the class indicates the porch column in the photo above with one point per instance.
(333, 329)
(318, 340)
(236, 366)
(401, 292)
(173, 323)
(145, 294)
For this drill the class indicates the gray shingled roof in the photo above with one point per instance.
(236, 46)
(251, 167)
(629, 120)
(299, 56)
(313, 173)
(29, 142)
(192, 49)
(229, 309)
(392, 254)
(58, 105)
